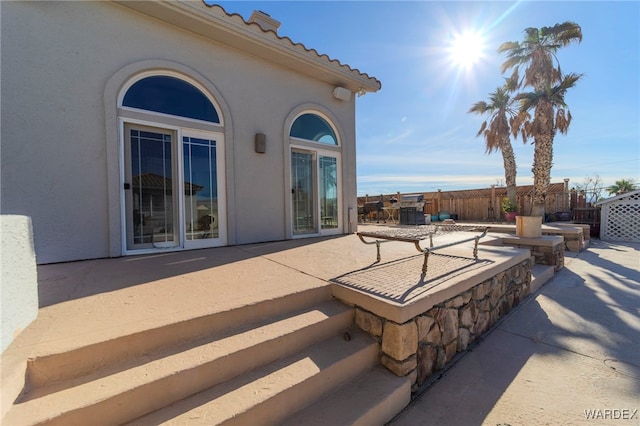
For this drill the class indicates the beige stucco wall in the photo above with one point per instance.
(58, 137)
(18, 277)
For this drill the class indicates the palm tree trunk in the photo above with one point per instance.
(542, 157)
(509, 161)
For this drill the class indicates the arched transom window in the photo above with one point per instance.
(315, 176)
(312, 127)
(170, 95)
(173, 157)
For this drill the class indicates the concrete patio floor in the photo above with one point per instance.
(570, 354)
(92, 301)
(573, 346)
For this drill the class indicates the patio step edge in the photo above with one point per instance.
(133, 392)
(270, 394)
(374, 397)
(80, 360)
(540, 274)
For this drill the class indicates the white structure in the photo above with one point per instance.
(620, 217)
(19, 301)
(138, 127)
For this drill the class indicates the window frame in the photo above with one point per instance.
(319, 149)
(180, 126)
(337, 146)
(133, 112)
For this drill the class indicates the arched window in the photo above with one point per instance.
(316, 188)
(170, 95)
(314, 128)
(174, 183)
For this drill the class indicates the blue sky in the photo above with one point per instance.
(415, 134)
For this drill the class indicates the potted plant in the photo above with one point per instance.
(510, 209)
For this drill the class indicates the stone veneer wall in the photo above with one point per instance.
(429, 341)
(545, 254)
(552, 256)
(576, 237)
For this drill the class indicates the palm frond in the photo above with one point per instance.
(562, 123)
(482, 128)
(512, 83)
(557, 93)
(532, 35)
(497, 127)
(519, 124)
(570, 80)
(537, 53)
(512, 62)
(479, 107)
(509, 47)
(566, 33)
(528, 100)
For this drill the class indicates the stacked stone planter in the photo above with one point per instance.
(427, 342)
(546, 250)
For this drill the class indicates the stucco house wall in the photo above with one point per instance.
(63, 67)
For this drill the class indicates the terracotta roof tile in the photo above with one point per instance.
(296, 45)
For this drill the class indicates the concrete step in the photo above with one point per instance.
(269, 394)
(82, 359)
(540, 274)
(372, 398)
(156, 380)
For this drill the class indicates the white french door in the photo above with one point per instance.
(150, 188)
(315, 192)
(174, 188)
(204, 202)
(303, 192)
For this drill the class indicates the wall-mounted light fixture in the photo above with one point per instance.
(342, 93)
(260, 143)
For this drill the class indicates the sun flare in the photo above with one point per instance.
(466, 49)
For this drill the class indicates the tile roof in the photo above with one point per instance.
(215, 23)
(632, 195)
(296, 45)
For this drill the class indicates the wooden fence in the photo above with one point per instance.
(483, 204)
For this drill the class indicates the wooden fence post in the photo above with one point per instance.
(565, 195)
(492, 213)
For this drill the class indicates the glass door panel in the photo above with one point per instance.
(302, 179)
(149, 188)
(328, 192)
(201, 189)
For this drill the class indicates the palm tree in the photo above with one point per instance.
(621, 186)
(550, 115)
(497, 130)
(537, 54)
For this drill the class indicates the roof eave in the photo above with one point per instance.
(214, 23)
(617, 197)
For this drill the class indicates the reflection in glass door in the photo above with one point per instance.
(302, 180)
(328, 192)
(201, 211)
(149, 188)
